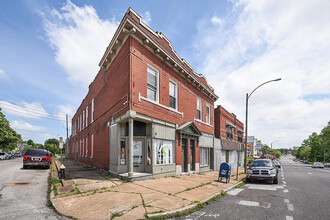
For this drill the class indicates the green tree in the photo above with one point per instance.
(325, 142)
(8, 137)
(49, 145)
(30, 142)
(265, 148)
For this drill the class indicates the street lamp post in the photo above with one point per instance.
(271, 144)
(246, 117)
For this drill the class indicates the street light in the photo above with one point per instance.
(246, 117)
(271, 144)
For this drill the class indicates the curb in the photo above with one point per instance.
(175, 212)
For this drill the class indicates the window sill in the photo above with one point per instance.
(160, 105)
(203, 166)
(204, 123)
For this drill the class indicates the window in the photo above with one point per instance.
(199, 109)
(122, 151)
(83, 147)
(80, 148)
(92, 145)
(83, 124)
(203, 156)
(86, 146)
(173, 94)
(208, 119)
(163, 151)
(80, 123)
(86, 116)
(152, 84)
(92, 113)
(229, 133)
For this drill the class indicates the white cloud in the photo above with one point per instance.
(27, 110)
(3, 75)
(24, 126)
(79, 38)
(146, 18)
(268, 40)
(66, 110)
(217, 22)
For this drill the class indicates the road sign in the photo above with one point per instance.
(61, 143)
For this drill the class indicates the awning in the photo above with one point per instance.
(239, 130)
(230, 124)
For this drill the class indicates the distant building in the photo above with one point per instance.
(230, 132)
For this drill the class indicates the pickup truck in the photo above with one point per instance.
(262, 169)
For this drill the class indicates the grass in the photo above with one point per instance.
(116, 214)
(54, 182)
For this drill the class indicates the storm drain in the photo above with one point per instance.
(20, 184)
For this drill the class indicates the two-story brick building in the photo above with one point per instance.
(230, 132)
(146, 112)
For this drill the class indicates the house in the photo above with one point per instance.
(147, 113)
(230, 132)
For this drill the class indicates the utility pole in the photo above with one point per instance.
(67, 137)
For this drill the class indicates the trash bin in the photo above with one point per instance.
(224, 172)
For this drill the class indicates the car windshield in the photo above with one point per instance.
(317, 163)
(261, 163)
(36, 153)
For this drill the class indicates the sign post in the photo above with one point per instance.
(61, 146)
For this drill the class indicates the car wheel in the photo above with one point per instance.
(275, 181)
(24, 166)
(248, 180)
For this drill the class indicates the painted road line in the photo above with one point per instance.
(284, 185)
(286, 201)
(286, 190)
(290, 207)
(288, 217)
(234, 192)
(309, 173)
(284, 182)
(249, 203)
(264, 187)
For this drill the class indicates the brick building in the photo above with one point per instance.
(147, 113)
(230, 132)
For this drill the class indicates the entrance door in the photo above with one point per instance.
(184, 152)
(192, 155)
(138, 155)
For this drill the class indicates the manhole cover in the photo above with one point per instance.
(20, 184)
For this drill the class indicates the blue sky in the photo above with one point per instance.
(49, 53)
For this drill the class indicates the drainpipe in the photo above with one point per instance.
(130, 150)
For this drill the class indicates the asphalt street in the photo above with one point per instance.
(23, 193)
(302, 193)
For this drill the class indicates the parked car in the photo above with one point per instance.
(306, 162)
(17, 154)
(2, 156)
(36, 157)
(318, 165)
(11, 155)
(262, 169)
(327, 164)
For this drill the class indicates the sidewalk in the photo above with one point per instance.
(89, 193)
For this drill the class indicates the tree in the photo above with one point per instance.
(265, 148)
(8, 137)
(30, 142)
(49, 145)
(325, 142)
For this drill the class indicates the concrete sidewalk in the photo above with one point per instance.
(89, 193)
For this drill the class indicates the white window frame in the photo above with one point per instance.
(83, 118)
(92, 111)
(86, 116)
(208, 117)
(176, 93)
(158, 160)
(92, 145)
(157, 82)
(201, 110)
(204, 161)
(80, 122)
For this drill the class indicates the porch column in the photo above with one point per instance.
(130, 147)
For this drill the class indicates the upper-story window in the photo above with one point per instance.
(208, 114)
(83, 125)
(152, 84)
(173, 94)
(80, 123)
(92, 112)
(229, 132)
(86, 116)
(199, 109)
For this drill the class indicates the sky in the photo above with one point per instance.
(50, 50)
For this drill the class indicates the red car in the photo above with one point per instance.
(17, 154)
(37, 157)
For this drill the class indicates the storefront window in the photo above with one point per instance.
(137, 152)
(163, 151)
(204, 156)
(122, 151)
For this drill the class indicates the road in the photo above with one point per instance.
(302, 193)
(23, 193)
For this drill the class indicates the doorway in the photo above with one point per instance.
(192, 155)
(138, 155)
(184, 154)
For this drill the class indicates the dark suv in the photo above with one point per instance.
(37, 157)
(262, 169)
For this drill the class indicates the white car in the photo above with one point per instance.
(2, 156)
(318, 165)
